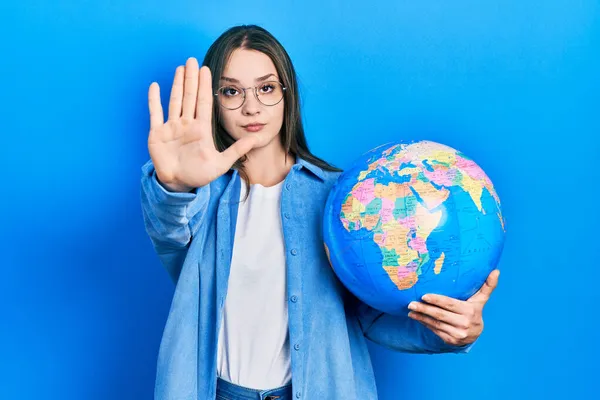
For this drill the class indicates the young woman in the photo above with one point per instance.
(232, 200)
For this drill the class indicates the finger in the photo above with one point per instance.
(447, 303)
(204, 103)
(440, 314)
(176, 94)
(484, 293)
(157, 118)
(446, 337)
(238, 150)
(434, 324)
(327, 253)
(190, 88)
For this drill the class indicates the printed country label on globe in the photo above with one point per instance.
(409, 219)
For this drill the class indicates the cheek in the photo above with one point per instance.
(276, 119)
(228, 122)
(278, 112)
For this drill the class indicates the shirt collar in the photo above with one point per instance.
(301, 163)
(317, 171)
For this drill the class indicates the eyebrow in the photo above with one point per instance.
(262, 78)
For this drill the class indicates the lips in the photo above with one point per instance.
(254, 127)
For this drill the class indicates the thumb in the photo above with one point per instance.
(239, 149)
(483, 294)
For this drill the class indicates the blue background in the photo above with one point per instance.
(512, 84)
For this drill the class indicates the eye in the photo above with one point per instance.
(267, 88)
(230, 91)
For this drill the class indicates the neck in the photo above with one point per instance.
(268, 165)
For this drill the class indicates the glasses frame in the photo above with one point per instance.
(255, 95)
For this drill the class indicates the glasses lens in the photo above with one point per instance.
(230, 96)
(269, 93)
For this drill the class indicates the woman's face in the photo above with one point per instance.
(249, 68)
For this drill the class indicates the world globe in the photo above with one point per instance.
(407, 219)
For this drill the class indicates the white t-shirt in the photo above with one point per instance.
(253, 348)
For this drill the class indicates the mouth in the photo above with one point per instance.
(254, 127)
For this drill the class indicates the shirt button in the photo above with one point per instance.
(288, 186)
(297, 346)
(294, 298)
(294, 252)
(286, 216)
(298, 395)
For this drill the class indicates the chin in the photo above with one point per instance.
(269, 137)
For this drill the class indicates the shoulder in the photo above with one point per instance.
(326, 176)
(330, 177)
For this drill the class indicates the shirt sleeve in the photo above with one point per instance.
(170, 218)
(401, 333)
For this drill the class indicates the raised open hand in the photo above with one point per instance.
(182, 149)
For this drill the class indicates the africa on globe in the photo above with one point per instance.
(408, 219)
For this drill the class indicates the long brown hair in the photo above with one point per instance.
(253, 37)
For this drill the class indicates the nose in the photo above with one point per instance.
(251, 106)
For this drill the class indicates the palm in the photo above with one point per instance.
(181, 152)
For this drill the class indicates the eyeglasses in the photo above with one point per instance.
(233, 97)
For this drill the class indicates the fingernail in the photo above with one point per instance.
(426, 298)
(412, 306)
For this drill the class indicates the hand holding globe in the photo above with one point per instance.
(457, 322)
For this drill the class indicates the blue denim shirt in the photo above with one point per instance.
(193, 234)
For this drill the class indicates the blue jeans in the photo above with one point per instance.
(229, 391)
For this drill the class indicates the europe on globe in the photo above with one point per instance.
(408, 219)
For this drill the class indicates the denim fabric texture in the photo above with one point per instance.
(192, 234)
(229, 391)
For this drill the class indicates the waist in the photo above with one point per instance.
(229, 391)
